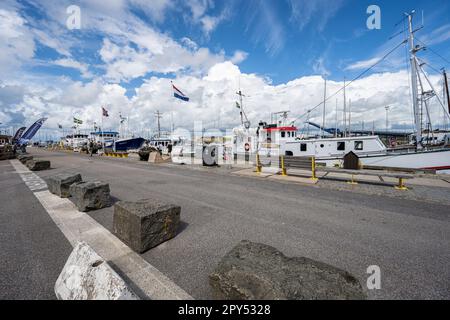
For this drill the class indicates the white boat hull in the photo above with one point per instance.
(437, 160)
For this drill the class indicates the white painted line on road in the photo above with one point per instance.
(78, 226)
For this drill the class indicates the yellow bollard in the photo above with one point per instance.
(313, 169)
(401, 185)
(258, 166)
(283, 168)
(353, 182)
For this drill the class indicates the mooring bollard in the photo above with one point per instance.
(352, 182)
(401, 185)
(283, 167)
(258, 164)
(313, 169)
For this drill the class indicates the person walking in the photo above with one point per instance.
(91, 147)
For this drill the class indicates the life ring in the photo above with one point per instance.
(247, 147)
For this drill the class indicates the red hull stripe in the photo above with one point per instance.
(282, 129)
(438, 168)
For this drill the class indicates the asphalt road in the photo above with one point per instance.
(409, 240)
(33, 251)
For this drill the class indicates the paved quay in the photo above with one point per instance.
(348, 228)
(33, 250)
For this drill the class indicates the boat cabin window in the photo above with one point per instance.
(303, 147)
(341, 146)
(358, 145)
(283, 134)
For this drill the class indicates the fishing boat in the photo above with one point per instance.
(273, 140)
(280, 137)
(128, 144)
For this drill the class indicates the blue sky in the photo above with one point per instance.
(127, 51)
(284, 39)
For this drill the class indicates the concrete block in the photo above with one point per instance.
(7, 155)
(156, 157)
(38, 165)
(254, 271)
(90, 195)
(145, 224)
(87, 276)
(24, 158)
(60, 184)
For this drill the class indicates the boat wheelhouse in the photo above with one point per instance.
(76, 141)
(332, 150)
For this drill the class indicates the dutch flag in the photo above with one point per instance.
(178, 94)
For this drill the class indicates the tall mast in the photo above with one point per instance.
(345, 111)
(446, 90)
(245, 123)
(121, 135)
(324, 103)
(336, 120)
(414, 70)
(350, 117)
(240, 94)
